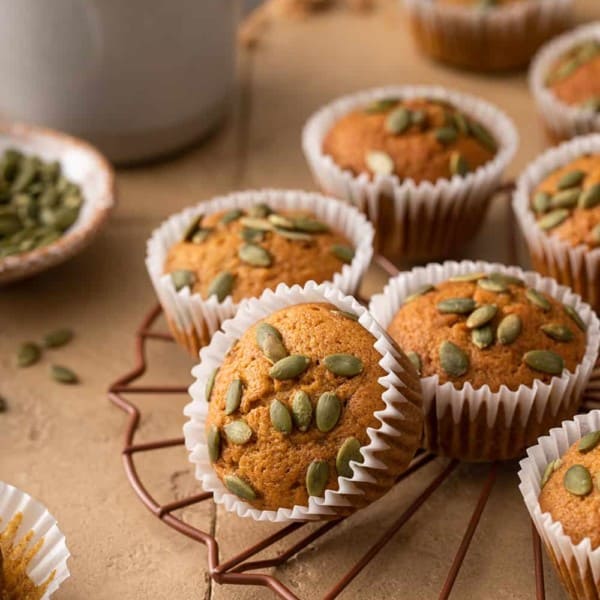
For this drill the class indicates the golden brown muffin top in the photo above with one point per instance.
(575, 77)
(570, 490)
(242, 253)
(492, 330)
(283, 426)
(419, 139)
(567, 202)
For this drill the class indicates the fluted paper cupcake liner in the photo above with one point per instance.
(50, 562)
(399, 420)
(476, 423)
(425, 220)
(578, 565)
(562, 121)
(194, 319)
(575, 266)
(497, 39)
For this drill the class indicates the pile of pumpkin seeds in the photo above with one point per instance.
(573, 60)
(553, 209)
(37, 203)
(30, 353)
(401, 120)
(258, 222)
(577, 479)
(298, 413)
(455, 361)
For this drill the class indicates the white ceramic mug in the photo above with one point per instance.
(138, 78)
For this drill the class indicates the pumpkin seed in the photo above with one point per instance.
(264, 330)
(398, 121)
(538, 299)
(349, 450)
(236, 485)
(467, 277)
(346, 314)
(379, 163)
(281, 221)
(343, 253)
(453, 360)
(590, 197)
(566, 199)
(381, 105)
(541, 202)
(346, 365)
(553, 219)
(280, 417)
(210, 384)
(564, 71)
(260, 210)
(327, 412)
(317, 476)
(483, 136)
(445, 135)
(238, 432)
(302, 410)
(571, 179)
(200, 236)
(308, 225)
(213, 443)
(578, 481)
(459, 306)
(257, 224)
(273, 348)
(289, 367)
(482, 337)
(232, 215)
(295, 236)
(63, 374)
(252, 235)
(491, 285)
(589, 441)
(557, 332)
(458, 164)
(28, 354)
(509, 329)
(415, 359)
(221, 286)
(183, 278)
(482, 315)
(506, 279)
(552, 466)
(418, 118)
(575, 317)
(254, 255)
(58, 337)
(234, 396)
(192, 228)
(544, 361)
(420, 291)
(461, 123)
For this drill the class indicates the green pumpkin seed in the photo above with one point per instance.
(589, 441)
(269, 340)
(509, 329)
(482, 135)
(183, 278)
(200, 236)
(349, 450)
(566, 199)
(571, 179)
(453, 360)
(257, 224)
(232, 215)
(346, 314)
(491, 285)
(419, 118)
(578, 481)
(590, 197)
(221, 286)
(254, 255)
(234, 396)
(63, 374)
(309, 225)
(252, 236)
(467, 277)
(295, 236)
(264, 330)
(482, 315)
(544, 361)
(289, 367)
(58, 337)
(552, 466)
(302, 410)
(459, 306)
(210, 384)
(415, 359)
(281, 221)
(564, 71)
(213, 443)
(343, 253)
(541, 202)
(260, 210)
(379, 163)
(28, 354)
(553, 219)
(538, 299)
(575, 317)
(281, 418)
(346, 365)
(420, 291)
(328, 411)
(236, 485)
(445, 135)
(317, 476)
(381, 105)
(461, 123)
(557, 332)
(238, 432)
(506, 279)
(458, 164)
(398, 121)
(482, 337)
(192, 228)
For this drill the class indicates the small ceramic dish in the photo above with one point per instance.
(82, 164)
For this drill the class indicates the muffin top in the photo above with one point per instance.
(488, 329)
(567, 202)
(242, 253)
(575, 77)
(570, 490)
(420, 139)
(291, 403)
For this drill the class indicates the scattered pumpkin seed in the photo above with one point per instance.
(192, 228)
(238, 432)
(381, 105)
(236, 485)
(445, 135)
(509, 329)
(255, 255)
(453, 359)
(317, 476)
(578, 481)
(345, 365)
(58, 337)
(415, 359)
(183, 278)
(492, 285)
(260, 210)
(461, 123)
(232, 215)
(234, 396)
(379, 163)
(252, 236)
(281, 418)
(344, 253)
(327, 412)
(483, 136)
(213, 442)
(420, 291)
(346, 314)
(553, 219)
(538, 299)
(552, 466)
(398, 121)
(289, 367)
(575, 317)
(28, 354)
(308, 225)
(221, 286)
(458, 164)
(467, 277)
(541, 202)
(590, 197)
(63, 374)
(557, 332)
(210, 384)
(273, 348)
(302, 410)
(418, 118)
(566, 199)
(349, 450)
(459, 306)
(544, 361)
(571, 179)
(506, 279)
(482, 315)
(589, 441)
(482, 337)
(201, 235)
(257, 223)
(281, 221)
(295, 236)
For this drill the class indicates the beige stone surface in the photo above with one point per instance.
(61, 444)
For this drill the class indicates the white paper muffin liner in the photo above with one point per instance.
(562, 120)
(578, 564)
(400, 419)
(497, 39)
(194, 319)
(53, 554)
(463, 412)
(575, 266)
(413, 220)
